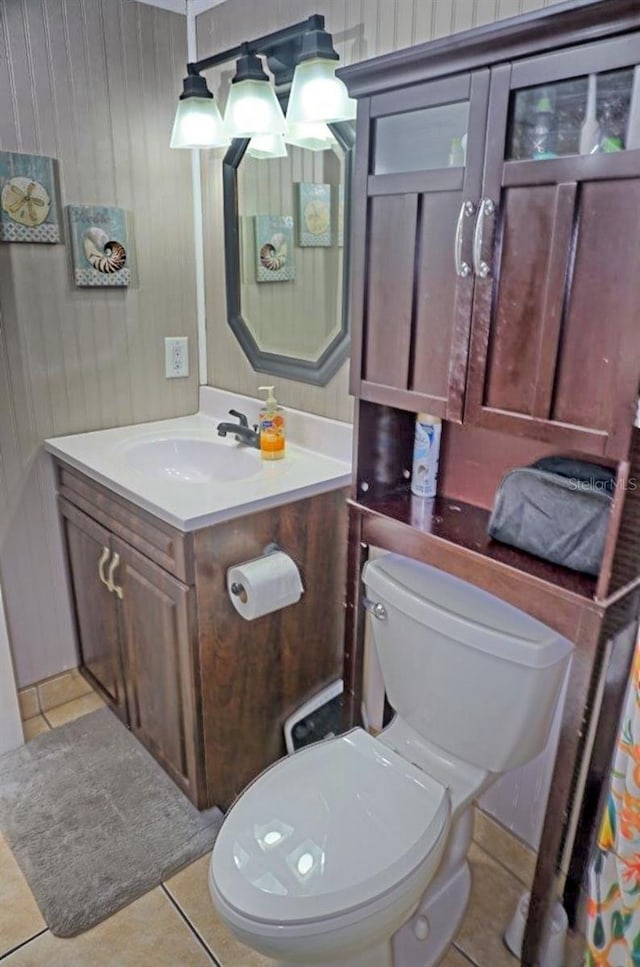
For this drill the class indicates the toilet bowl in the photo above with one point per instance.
(331, 851)
(352, 852)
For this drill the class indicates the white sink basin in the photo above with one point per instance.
(192, 460)
(182, 472)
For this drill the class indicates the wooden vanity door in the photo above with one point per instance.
(96, 607)
(555, 352)
(158, 629)
(415, 194)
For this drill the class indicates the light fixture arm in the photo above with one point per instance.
(281, 48)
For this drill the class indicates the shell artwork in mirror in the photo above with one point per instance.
(274, 244)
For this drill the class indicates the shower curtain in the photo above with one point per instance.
(613, 906)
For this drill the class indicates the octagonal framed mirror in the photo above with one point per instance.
(286, 231)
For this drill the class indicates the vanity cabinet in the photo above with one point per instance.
(206, 692)
(496, 244)
(136, 626)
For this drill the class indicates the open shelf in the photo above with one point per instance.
(464, 526)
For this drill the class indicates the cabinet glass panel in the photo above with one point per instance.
(583, 115)
(433, 137)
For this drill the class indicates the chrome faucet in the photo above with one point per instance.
(241, 430)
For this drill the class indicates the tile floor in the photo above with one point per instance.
(175, 924)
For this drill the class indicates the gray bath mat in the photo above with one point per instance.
(94, 822)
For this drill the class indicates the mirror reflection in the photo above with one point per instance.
(291, 245)
(286, 230)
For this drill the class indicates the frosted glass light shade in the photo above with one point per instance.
(318, 95)
(313, 136)
(267, 146)
(198, 124)
(252, 109)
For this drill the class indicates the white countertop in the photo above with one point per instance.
(317, 460)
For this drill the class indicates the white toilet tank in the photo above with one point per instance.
(468, 672)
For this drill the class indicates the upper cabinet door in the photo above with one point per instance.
(555, 352)
(417, 186)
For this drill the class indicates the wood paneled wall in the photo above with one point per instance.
(361, 29)
(92, 83)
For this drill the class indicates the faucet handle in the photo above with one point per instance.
(240, 416)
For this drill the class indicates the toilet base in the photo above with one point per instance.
(437, 919)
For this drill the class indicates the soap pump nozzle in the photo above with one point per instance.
(270, 402)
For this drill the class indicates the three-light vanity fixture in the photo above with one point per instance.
(301, 56)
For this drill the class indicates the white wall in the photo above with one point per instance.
(92, 83)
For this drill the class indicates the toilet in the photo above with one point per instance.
(352, 852)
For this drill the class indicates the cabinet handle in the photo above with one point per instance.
(112, 567)
(101, 564)
(482, 269)
(463, 269)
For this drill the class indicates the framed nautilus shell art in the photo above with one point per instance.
(274, 248)
(28, 198)
(99, 245)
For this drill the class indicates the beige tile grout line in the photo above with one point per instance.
(464, 956)
(39, 712)
(44, 681)
(502, 865)
(191, 926)
(23, 944)
(172, 901)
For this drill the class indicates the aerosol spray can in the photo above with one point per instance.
(426, 452)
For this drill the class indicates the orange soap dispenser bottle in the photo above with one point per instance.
(271, 427)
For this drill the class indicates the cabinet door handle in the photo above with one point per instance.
(481, 268)
(463, 269)
(101, 564)
(115, 560)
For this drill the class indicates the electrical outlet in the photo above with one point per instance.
(176, 356)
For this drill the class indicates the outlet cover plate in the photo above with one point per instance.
(176, 356)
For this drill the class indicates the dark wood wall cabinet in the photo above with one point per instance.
(204, 690)
(496, 238)
(495, 284)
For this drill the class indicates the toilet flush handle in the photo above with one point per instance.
(376, 608)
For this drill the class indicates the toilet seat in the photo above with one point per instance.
(297, 846)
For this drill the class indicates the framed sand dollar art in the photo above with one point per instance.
(28, 198)
(314, 214)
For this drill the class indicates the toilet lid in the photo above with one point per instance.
(326, 830)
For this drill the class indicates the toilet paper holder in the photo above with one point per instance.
(239, 590)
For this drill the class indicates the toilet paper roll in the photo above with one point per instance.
(264, 585)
